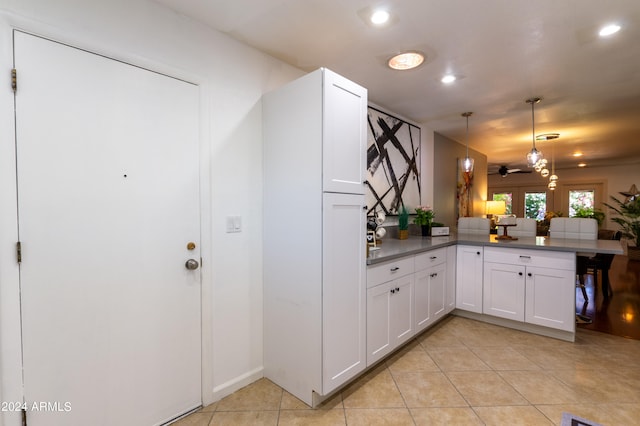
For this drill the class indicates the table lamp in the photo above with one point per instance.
(493, 209)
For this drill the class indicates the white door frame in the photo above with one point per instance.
(10, 328)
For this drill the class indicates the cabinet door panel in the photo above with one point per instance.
(550, 298)
(437, 291)
(504, 290)
(378, 326)
(421, 293)
(343, 289)
(344, 135)
(451, 278)
(469, 278)
(401, 310)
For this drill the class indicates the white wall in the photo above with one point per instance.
(233, 78)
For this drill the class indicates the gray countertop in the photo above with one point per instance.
(393, 248)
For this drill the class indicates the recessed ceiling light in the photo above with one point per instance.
(577, 154)
(449, 78)
(609, 29)
(380, 17)
(582, 165)
(406, 61)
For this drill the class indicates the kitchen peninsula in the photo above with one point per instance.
(393, 248)
(526, 284)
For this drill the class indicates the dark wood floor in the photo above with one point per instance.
(620, 313)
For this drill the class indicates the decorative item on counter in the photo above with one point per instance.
(505, 221)
(375, 232)
(424, 217)
(403, 223)
(439, 230)
(371, 240)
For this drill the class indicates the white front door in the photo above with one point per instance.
(107, 160)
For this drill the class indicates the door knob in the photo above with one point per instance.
(191, 264)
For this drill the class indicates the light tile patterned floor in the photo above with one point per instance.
(464, 372)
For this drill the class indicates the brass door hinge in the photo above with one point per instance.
(14, 80)
(19, 251)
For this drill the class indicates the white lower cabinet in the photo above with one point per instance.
(389, 316)
(550, 298)
(407, 295)
(431, 289)
(536, 287)
(469, 265)
(503, 293)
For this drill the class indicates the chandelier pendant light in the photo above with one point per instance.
(553, 179)
(466, 164)
(534, 156)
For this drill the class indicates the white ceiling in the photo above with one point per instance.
(503, 51)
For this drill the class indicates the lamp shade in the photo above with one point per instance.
(496, 207)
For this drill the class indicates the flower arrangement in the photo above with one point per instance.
(424, 215)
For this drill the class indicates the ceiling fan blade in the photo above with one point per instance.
(504, 171)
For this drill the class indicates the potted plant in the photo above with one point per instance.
(628, 217)
(589, 212)
(403, 224)
(424, 218)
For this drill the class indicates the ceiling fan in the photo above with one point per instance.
(504, 171)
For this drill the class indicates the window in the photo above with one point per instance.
(507, 197)
(535, 205)
(581, 203)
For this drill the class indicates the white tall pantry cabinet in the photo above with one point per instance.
(314, 234)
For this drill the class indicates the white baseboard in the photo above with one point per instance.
(233, 385)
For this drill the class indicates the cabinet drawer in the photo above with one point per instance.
(387, 271)
(430, 258)
(540, 258)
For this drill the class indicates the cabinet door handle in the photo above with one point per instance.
(435, 274)
(520, 273)
(433, 257)
(395, 269)
(525, 257)
(393, 290)
(478, 253)
(397, 290)
(529, 274)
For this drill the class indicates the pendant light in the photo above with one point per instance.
(534, 156)
(553, 179)
(466, 164)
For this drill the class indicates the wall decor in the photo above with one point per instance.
(465, 182)
(393, 163)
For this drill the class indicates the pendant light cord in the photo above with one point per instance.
(533, 124)
(467, 115)
(467, 136)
